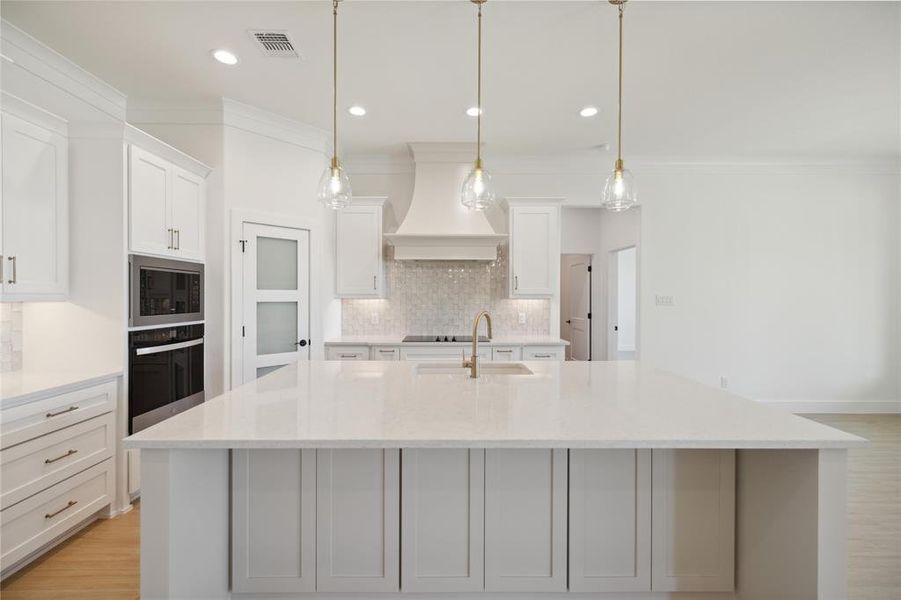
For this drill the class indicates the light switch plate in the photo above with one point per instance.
(664, 300)
(522, 318)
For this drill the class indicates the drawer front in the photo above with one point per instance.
(22, 423)
(28, 468)
(543, 353)
(30, 524)
(347, 353)
(506, 353)
(428, 353)
(385, 353)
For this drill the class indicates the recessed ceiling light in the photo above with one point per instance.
(473, 111)
(225, 57)
(357, 110)
(588, 111)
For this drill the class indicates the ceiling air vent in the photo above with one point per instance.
(275, 43)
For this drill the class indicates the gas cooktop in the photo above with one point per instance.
(442, 338)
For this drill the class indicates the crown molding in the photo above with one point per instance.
(231, 113)
(141, 138)
(25, 51)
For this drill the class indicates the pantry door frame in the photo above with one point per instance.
(235, 357)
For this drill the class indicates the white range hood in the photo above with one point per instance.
(437, 226)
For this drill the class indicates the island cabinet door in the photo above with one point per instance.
(525, 520)
(442, 520)
(358, 520)
(693, 532)
(609, 520)
(273, 521)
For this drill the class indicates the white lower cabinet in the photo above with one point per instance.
(443, 520)
(347, 353)
(525, 520)
(693, 537)
(385, 353)
(610, 520)
(358, 520)
(274, 521)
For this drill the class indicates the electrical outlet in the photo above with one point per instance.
(664, 300)
(724, 382)
(522, 318)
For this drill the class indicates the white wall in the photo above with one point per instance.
(87, 332)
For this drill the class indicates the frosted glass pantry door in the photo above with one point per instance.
(276, 273)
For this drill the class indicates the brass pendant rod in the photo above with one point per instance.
(619, 122)
(334, 82)
(479, 95)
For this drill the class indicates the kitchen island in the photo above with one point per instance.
(346, 479)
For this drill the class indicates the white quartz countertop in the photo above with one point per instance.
(397, 340)
(19, 386)
(391, 404)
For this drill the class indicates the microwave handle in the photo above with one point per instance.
(168, 347)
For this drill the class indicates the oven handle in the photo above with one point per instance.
(168, 347)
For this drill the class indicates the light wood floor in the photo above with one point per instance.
(101, 562)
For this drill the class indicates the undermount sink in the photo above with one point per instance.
(485, 368)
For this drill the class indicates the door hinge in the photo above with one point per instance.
(589, 315)
(589, 268)
(243, 245)
(243, 332)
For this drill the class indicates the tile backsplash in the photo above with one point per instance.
(10, 336)
(443, 297)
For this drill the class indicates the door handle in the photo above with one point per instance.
(568, 321)
(12, 259)
(374, 278)
(178, 239)
(171, 240)
(301, 343)
(516, 282)
(616, 328)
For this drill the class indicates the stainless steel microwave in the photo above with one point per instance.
(164, 291)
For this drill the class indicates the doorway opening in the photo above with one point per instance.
(575, 305)
(622, 304)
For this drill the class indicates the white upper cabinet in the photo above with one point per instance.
(359, 268)
(534, 225)
(167, 207)
(35, 206)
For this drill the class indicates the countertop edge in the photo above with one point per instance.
(18, 400)
(495, 342)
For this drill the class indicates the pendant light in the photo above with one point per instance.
(334, 186)
(619, 192)
(478, 194)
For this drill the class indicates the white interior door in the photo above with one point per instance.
(622, 304)
(577, 305)
(276, 298)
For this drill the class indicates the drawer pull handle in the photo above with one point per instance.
(48, 461)
(348, 356)
(542, 356)
(61, 412)
(387, 351)
(504, 351)
(68, 505)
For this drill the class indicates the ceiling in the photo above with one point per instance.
(702, 79)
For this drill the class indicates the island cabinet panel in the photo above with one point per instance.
(274, 520)
(442, 520)
(693, 536)
(610, 520)
(358, 520)
(525, 520)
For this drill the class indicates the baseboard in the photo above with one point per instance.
(864, 407)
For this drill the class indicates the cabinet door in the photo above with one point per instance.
(358, 515)
(534, 253)
(359, 253)
(274, 521)
(149, 187)
(188, 209)
(525, 520)
(35, 212)
(693, 535)
(442, 520)
(610, 520)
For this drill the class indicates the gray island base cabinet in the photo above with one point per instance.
(473, 520)
(374, 479)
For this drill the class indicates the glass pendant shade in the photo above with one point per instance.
(334, 186)
(620, 193)
(477, 193)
